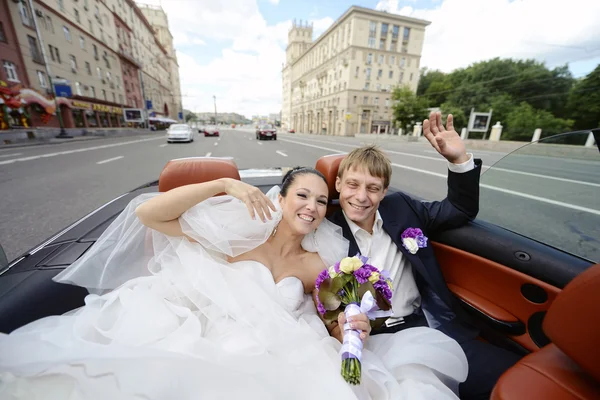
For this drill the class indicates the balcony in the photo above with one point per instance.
(126, 54)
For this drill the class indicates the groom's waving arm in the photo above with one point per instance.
(462, 202)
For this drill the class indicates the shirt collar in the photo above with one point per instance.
(377, 224)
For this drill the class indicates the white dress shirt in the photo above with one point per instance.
(384, 254)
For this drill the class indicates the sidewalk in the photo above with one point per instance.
(33, 137)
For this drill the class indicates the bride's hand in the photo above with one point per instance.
(359, 322)
(256, 201)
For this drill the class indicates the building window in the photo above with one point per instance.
(368, 71)
(49, 24)
(67, 33)
(378, 87)
(106, 60)
(114, 97)
(108, 76)
(401, 77)
(42, 79)
(369, 58)
(381, 58)
(99, 72)
(366, 100)
(95, 51)
(406, 35)
(11, 71)
(73, 62)
(376, 102)
(51, 52)
(379, 74)
(88, 68)
(391, 74)
(367, 85)
(91, 26)
(372, 28)
(387, 102)
(354, 100)
(411, 77)
(61, 5)
(395, 31)
(78, 89)
(76, 11)
(103, 94)
(402, 62)
(384, 29)
(93, 89)
(381, 44)
(34, 50)
(2, 34)
(408, 63)
(121, 99)
(24, 12)
(82, 42)
(372, 43)
(392, 60)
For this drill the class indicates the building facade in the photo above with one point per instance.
(341, 83)
(98, 53)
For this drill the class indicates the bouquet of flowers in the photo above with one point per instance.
(354, 287)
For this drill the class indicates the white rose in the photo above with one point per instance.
(332, 273)
(411, 245)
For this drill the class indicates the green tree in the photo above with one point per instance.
(522, 121)
(584, 101)
(190, 117)
(408, 108)
(460, 119)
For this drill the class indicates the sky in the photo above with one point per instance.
(235, 49)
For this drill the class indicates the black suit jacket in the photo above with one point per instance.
(400, 212)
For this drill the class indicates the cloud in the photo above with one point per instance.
(274, 2)
(321, 25)
(466, 31)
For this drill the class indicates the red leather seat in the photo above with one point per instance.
(569, 368)
(328, 166)
(186, 171)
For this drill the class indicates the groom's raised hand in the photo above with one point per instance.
(445, 139)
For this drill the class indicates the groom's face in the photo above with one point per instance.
(360, 195)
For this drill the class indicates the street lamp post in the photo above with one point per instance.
(63, 133)
(215, 101)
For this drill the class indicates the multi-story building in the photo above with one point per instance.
(158, 19)
(99, 53)
(221, 117)
(341, 83)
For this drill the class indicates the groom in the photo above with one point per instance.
(377, 224)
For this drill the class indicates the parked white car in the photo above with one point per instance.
(180, 133)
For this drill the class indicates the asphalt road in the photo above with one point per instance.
(45, 188)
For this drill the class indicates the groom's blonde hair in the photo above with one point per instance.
(370, 158)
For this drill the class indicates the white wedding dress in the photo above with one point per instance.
(171, 319)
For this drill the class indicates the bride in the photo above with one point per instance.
(202, 297)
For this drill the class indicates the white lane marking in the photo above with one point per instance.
(163, 145)
(216, 143)
(281, 153)
(208, 154)
(542, 199)
(109, 160)
(259, 143)
(512, 171)
(11, 155)
(60, 153)
(499, 189)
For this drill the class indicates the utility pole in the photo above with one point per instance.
(63, 133)
(215, 101)
(144, 107)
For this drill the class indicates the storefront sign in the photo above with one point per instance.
(108, 109)
(383, 123)
(81, 104)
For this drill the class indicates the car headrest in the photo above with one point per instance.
(328, 166)
(573, 320)
(186, 171)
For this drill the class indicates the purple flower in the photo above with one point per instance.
(336, 267)
(320, 307)
(421, 241)
(362, 258)
(324, 275)
(362, 274)
(385, 274)
(382, 288)
(412, 233)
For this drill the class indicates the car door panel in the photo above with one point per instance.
(505, 291)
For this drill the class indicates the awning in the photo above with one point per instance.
(164, 120)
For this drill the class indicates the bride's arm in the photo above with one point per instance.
(334, 327)
(162, 212)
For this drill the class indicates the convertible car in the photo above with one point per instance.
(532, 297)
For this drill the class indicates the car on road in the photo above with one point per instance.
(180, 133)
(211, 130)
(506, 268)
(266, 131)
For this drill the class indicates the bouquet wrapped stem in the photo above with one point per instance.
(352, 346)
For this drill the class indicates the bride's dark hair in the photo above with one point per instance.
(290, 177)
